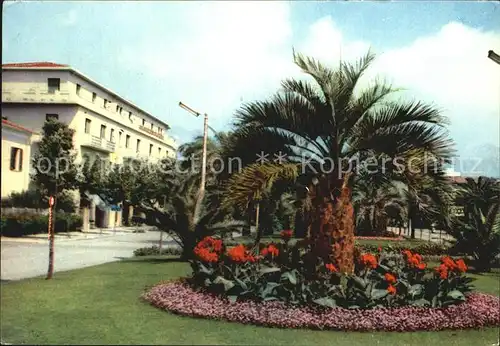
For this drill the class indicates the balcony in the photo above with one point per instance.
(98, 143)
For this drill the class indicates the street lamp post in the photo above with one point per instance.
(201, 192)
(494, 56)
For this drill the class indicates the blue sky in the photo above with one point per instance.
(213, 56)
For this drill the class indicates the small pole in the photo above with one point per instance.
(161, 230)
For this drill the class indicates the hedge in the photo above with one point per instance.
(28, 223)
(425, 249)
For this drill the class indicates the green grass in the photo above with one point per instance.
(101, 305)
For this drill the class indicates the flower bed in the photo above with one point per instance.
(479, 310)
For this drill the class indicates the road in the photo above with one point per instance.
(24, 259)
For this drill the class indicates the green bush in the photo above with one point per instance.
(22, 224)
(35, 200)
(155, 250)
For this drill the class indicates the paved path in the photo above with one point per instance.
(26, 258)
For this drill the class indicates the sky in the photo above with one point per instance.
(214, 56)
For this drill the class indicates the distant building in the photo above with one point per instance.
(16, 153)
(105, 123)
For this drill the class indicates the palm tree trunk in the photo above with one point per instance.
(333, 230)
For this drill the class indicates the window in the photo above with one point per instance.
(87, 125)
(159, 152)
(130, 117)
(143, 122)
(78, 87)
(54, 84)
(94, 96)
(105, 103)
(138, 145)
(103, 131)
(159, 129)
(119, 137)
(117, 108)
(16, 159)
(127, 141)
(150, 149)
(51, 116)
(152, 126)
(112, 136)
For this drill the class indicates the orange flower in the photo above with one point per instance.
(418, 257)
(286, 234)
(206, 255)
(448, 262)
(390, 278)
(421, 266)
(407, 253)
(238, 253)
(391, 289)
(442, 270)
(461, 266)
(208, 248)
(369, 260)
(331, 267)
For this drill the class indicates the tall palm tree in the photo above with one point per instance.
(329, 119)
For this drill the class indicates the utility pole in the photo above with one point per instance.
(201, 192)
(494, 56)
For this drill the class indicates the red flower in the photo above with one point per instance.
(448, 262)
(421, 266)
(391, 289)
(264, 251)
(461, 266)
(208, 248)
(369, 260)
(238, 253)
(407, 253)
(379, 249)
(273, 250)
(286, 234)
(331, 268)
(390, 278)
(442, 270)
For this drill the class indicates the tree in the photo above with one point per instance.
(478, 233)
(54, 168)
(247, 188)
(177, 217)
(331, 120)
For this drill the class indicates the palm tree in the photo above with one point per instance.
(375, 204)
(177, 217)
(247, 189)
(478, 234)
(329, 119)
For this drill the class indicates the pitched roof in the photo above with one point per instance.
(15, 126)
(34, 64)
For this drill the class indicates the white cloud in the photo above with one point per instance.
(218, 54)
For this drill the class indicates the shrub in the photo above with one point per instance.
(35, 200)
(26, 223)
(293, 275)
(155, 251)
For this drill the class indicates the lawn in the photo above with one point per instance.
(101, 305)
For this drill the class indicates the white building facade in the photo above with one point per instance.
(105, 123)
